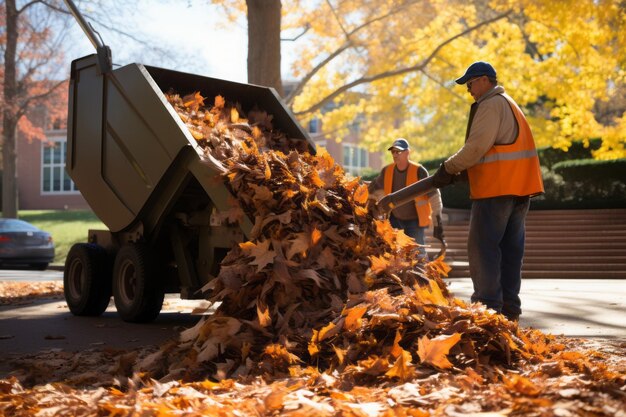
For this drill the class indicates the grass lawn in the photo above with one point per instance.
(66, 227)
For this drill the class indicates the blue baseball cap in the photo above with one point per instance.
(400, 144)
(476, 70)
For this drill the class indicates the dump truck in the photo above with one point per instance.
(144, 176)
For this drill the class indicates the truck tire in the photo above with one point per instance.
(86, 282)
(138, 288)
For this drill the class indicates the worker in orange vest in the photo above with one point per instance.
(415, 218)
(501, 161)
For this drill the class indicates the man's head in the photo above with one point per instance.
(480, 77)
(400, 152)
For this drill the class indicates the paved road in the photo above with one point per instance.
(580, 308)
(572, 307)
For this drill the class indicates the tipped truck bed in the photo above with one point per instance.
(141, 172)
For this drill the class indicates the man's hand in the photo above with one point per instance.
(385, 204)
(442, 178)
(438, 229)
(438, 233)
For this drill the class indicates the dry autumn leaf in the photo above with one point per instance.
(434, 351)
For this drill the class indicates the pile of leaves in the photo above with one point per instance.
(321, 281)
(18, 292)
(327, 310)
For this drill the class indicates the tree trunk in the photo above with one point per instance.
(264, 43)
(10, 114)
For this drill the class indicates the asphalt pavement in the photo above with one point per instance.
(577, 308)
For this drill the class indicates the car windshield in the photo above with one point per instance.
(14, 225)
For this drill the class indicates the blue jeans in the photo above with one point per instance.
(412, 229)
(496, 248)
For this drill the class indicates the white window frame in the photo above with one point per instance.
(358, 159)
(53, 166)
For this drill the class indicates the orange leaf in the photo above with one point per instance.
(402, 368)
(263, 314)
(219, 102)
(361, 194)
(434, 351)
(396, 349)
(313, 346)
(379, 263)
(316, 235)
(384, 229)
(328, 331)
(340, 353)
(268, 171)
(234, 115)
(431, 294)
(274, 400)
(360, 211)
(404, 241)
(521, 384)
(193, 101)
(353, 318)
(316, 180)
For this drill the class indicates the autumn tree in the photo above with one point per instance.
(30, 52)
(392, 64)
(264, 18)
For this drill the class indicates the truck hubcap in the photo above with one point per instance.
(128, 282)
(76, 279)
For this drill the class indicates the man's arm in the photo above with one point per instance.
(377, 183)
(481, 138)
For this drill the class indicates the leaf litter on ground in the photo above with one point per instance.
(325, 309)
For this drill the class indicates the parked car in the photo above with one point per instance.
(21, 243)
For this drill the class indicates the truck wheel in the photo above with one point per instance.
(86, 284)
(137, 285)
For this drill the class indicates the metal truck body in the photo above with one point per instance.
(141, 172)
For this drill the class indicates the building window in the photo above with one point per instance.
(54, 178)
(315, 126)
(355, 158)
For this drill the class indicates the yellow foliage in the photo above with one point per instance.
(556, 59)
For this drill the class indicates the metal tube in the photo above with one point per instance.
(84, 25)
(411, 192)
(105, 61)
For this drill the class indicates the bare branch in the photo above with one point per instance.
(400, 71)
(332, 9)
(315, 70)
(24, 106)
(52, 6)
(440, 83)
(295, 38)
(298, 89)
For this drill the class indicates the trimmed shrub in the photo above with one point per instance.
(550, 156)
(592, 170)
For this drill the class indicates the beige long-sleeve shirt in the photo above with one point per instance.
(493, 123)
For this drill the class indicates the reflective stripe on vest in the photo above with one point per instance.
(422, 203)
(508, 169)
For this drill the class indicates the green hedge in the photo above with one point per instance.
(550, 156)
(571, 184)
(585, 170)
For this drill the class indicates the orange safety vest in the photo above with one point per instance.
(511, 169)
(422, 203)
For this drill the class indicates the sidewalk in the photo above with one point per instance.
(588, 308)
(572, 307)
